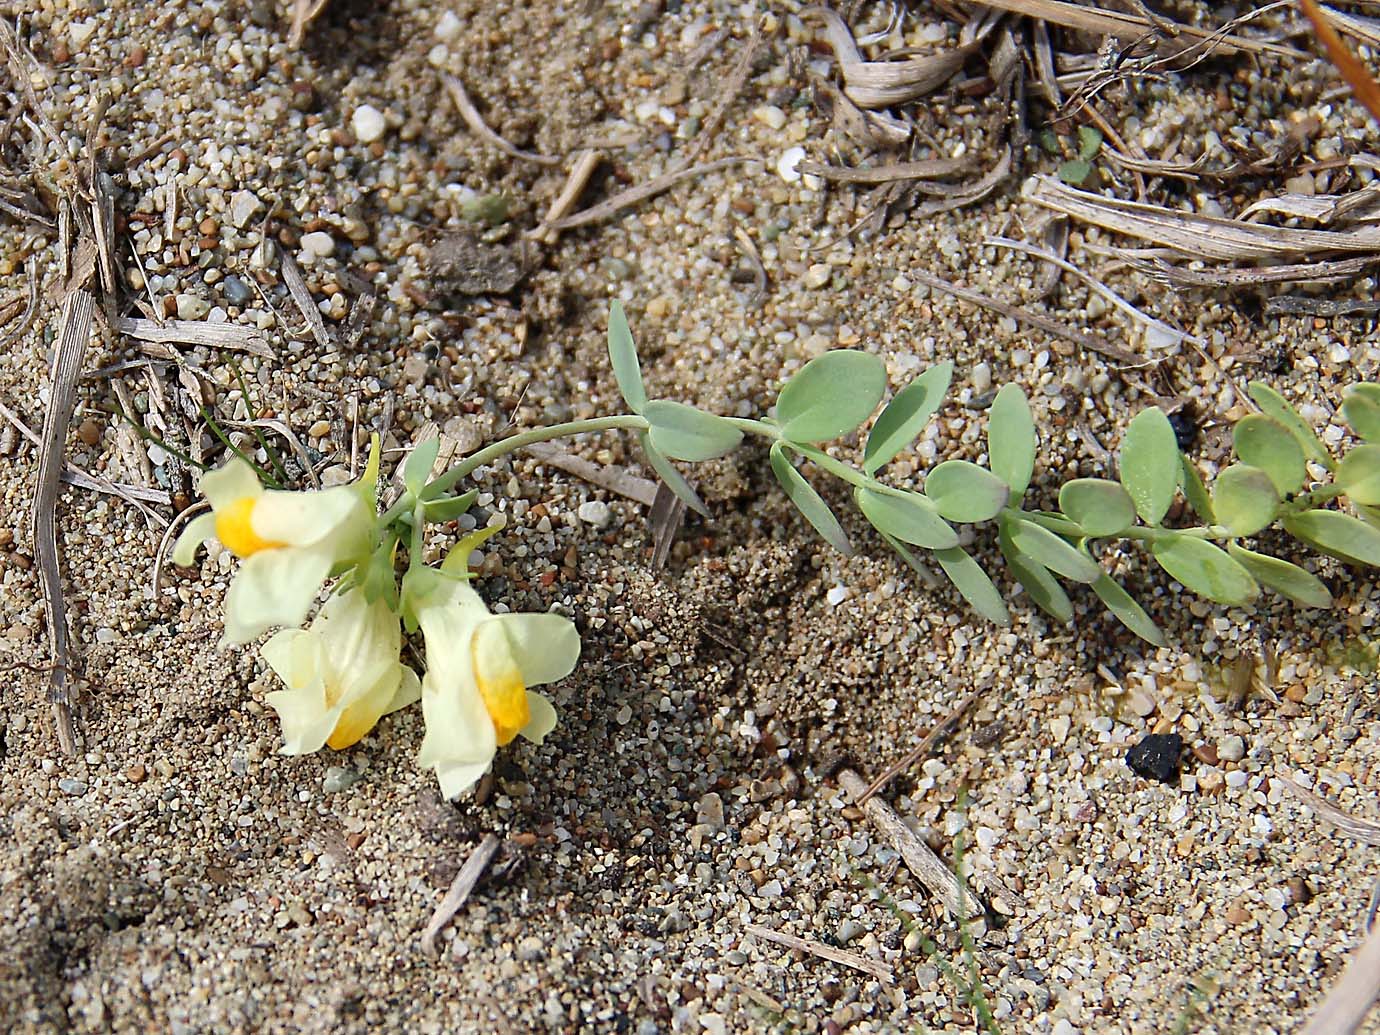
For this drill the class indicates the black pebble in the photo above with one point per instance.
(1156, 757)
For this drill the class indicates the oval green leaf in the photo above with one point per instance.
(1126, 611)
(1288, 580)
(966, 492)
(419, 464)
(1275, 406)
(1011, 439)
(911, 518)
(807, 501)
(1099, 507)
(1362, 412)
(1265, 443)
(1205, 569)
(830, 396)
(1150, 464)
(1195, 491)
(1337, 534)
(1039, 584)
(448, 508)
(627, 371)
(1359, 475)
(1244, 499)
(905, 416)
(673, 479)
(1058, 555)
(970, 580)
(685, 433)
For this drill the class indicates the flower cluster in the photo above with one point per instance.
(343, 672)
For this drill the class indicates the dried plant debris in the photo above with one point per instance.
(461, 263)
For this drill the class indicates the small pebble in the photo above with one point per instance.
(319, 244)
(710, 811)
(531, 949)
(368, 124)
(788, 165)
(819, 274)
(244, 207)
(770, 116)
(1156, 757)
(237, 292)
(190, 307)
(448, 27)
(70, 786)
(338, 779)
(596, 513)
(1231, 749)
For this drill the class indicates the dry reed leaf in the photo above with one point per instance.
(880, 84)
(233, 336)
(304, 12)
(1197, 236)
(1122, 25)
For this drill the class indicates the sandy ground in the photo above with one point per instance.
(178, 875)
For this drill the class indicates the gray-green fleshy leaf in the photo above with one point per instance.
(1339, 535)
(807, 501)
(1362, 412)
(905, 416)
(1195, 492)
(1244, 499)
(1040, 585)
(1011, 439)
(448, 508)
(1265, 443)
(830, 396)
(965, 492)
(419, 463)
(909, 517)
(1058, 555)
(1274, 405)
(1288, 580)
(685, 433)
(1205, 569)
(970, 580)
(627, 371)
(1126, 611)
(1089, 142)
(673, 479)
(1099, 507)
(1149, 464)
(1359, 475)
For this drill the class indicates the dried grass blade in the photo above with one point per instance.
(580, 171)
(304, 12)
(1352, 997)
(1362, 830)
(877, 969)
(460, 889)
(1122, 25)
(930, 168)
(306, 305)
(461, 99)
(30, 308)
(880, 84)
(1328, 272)
(615, 479)
(1044, 323)
(74, 333)
(235, 337)
(919, 858)
(1206, 237)
(643, 191)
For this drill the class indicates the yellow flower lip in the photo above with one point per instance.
(235, 528)
(500, 683)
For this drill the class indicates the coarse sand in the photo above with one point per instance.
(179, 875)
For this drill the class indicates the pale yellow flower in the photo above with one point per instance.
(342, 673)
(479, 666)
(289, 543)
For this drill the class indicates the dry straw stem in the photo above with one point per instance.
(581, 170)
(234, 337)
(1044, 323)
(461, 99)
(615, 479)
(877, 969)
(929, 168)
(460, 889)
(301, 295)
(928, 868)
(304, 12)
(1197, 236)
(643, 191)
(73, 335)
(1362, 830)
(880, 84)
(1131, 26)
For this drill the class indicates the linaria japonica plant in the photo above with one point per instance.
(343, 673)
